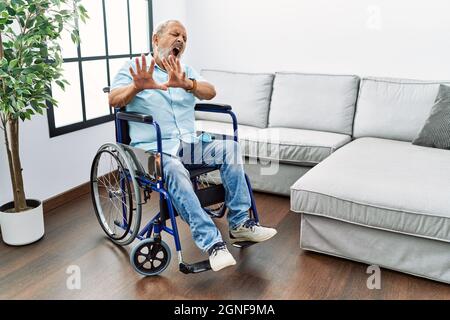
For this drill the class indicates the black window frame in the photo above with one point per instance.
(87, 123)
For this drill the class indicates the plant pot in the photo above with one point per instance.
(24, 227)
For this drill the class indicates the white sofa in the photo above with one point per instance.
(287, 124)
(344, 151)
(380, 199)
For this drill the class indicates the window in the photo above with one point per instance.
(116, 31)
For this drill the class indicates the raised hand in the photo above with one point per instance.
(177, 77)
(143, 78)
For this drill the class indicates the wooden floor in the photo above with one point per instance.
(276, 269)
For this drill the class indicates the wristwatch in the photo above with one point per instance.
(194, 85)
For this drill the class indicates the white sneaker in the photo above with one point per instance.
(251, 231)
(220, 257)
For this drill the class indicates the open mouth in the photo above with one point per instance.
(176, 52)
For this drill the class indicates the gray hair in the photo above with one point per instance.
(161, 28)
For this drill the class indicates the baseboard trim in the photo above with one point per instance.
(63, 198)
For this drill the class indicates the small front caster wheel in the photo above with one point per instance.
(150, 257)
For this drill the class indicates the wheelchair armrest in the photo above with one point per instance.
(212, 107)
(135, 117)
(219, 108)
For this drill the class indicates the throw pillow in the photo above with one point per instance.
(436, 131)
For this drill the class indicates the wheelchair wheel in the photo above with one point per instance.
(115, 194)
(150, 257)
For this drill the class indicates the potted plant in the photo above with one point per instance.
(30, 61)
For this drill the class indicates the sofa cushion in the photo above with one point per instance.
(384, 184)
(393, 108)
(314, 101)
(247, 93)
(295, 146)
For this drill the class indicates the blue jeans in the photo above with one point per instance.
(224, 153)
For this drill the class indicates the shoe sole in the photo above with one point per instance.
(234, 240)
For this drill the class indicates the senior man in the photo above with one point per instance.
(168, 90)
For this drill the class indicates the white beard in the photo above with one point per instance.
(165, 53)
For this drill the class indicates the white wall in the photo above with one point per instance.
(52, 166)
(169, 10)
(401, 38)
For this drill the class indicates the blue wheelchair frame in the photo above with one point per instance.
(157, 225)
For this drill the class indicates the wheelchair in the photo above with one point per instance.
(122, 180)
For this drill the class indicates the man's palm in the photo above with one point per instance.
(142, 78)
(177, 77)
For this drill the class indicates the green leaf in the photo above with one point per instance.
(13, 63)
(74, 37)
(20, 104)
(11, 11)
(61, 84)
(18, 2)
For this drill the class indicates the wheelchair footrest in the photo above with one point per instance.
(195, 267)
(243, 244)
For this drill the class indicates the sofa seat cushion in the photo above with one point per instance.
(286, 145)
(385, 184)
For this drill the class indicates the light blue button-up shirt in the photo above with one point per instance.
(173, 110)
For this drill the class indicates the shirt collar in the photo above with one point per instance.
(159, 68)
(156, 65)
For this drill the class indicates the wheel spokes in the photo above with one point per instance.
(112, 190)
(151, 254)
(114, 193)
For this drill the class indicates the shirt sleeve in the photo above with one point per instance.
(193, 74)
(123, 77)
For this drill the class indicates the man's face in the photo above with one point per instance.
(172, 41)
